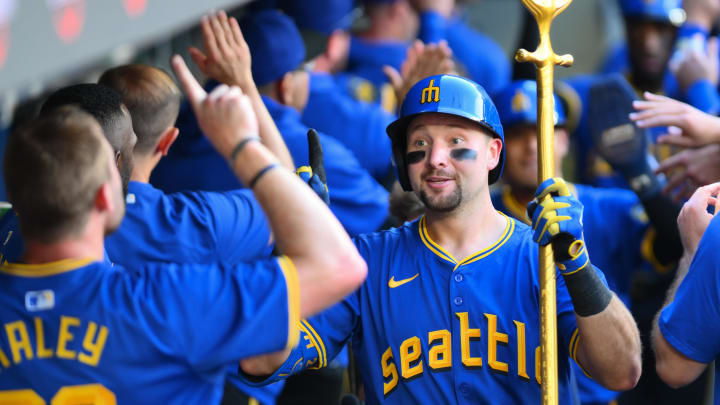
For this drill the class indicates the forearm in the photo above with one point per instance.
(609, 347)
(270, 135)
(328, 265)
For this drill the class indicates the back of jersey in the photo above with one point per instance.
(77, 331)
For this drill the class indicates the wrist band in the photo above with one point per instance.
(261, 173)
(588, 293)
(240, 145)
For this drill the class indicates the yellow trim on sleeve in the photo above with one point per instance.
(45, 269)
(574, 341)
(648, 252)
(314, 344)
(322, 352)
(304, 169)
(293, 292)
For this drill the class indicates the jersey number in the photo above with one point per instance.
(94, 394)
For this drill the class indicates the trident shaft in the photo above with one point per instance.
(545, 60)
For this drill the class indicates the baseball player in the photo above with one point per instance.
(161, 332)
(105, 105)
(685, 333)
(605, 210)
(449, 312)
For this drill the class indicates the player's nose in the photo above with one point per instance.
(439, 156)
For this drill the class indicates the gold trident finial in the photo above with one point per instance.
(544, 11)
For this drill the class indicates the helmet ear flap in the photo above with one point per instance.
(399, 148)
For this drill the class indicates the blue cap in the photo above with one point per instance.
(276, 46)
(666, 11)
(517, 104)
(323, 16)
(447, 94)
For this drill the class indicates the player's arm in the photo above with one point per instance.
(673, 366)
(608, 341)
(227, 60)
(327, 263)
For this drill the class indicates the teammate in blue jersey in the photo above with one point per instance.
(186, 227)
(449, 311)
(160, 332)
(619, 254)
(357, 199)
(685, 334)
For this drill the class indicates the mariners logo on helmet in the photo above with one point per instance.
(447, 94)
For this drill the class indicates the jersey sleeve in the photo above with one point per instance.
(217, 315)
(691, 323)
(241, 228)
(322, 337)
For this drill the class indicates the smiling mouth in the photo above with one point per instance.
(438, 182)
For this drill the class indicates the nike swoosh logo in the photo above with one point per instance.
(392, 283)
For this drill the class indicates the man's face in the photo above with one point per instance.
(521, 154)
(650, 45)
(449, 159)
(118, 196)
(126, 143)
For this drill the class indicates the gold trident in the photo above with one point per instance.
(545, 60)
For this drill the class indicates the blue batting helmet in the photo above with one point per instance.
(447, 94)
(666, 11)
(517, 104)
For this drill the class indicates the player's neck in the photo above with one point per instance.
(469, 228)
(89, 243)
(522, 195)
(144, 166)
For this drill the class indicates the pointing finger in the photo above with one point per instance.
(195, 93)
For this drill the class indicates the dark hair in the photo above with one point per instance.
(53, 168)
(152, 98)
(102, 102)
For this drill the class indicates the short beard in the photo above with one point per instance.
(447, 204)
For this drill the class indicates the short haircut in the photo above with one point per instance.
(102, 102)
(152, 98)
(53, 168)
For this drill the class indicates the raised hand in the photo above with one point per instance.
(225, 115)
(422, 61)
(227, 56)
(698, 65)
(689, 169)
(696, 127)
(694, 217)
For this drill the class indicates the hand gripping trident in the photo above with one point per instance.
(545, 60)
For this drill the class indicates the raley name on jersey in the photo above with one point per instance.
(439, 356)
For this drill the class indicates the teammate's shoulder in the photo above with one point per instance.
(607, 195)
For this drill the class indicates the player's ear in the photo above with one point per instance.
(166, 140)
(494, 148)
(103, 198)
(562, 142)
(285, 88)
(337, 51)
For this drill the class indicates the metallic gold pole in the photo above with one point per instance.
(545, 60)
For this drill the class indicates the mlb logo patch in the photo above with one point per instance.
(39, 300)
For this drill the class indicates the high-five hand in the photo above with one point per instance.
(225, 115)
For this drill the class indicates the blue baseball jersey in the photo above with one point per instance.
(189, 227)
(357, 200)
(75, 330)
(691, 323)
(618, 239)
(427, 328)
(359, 126)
